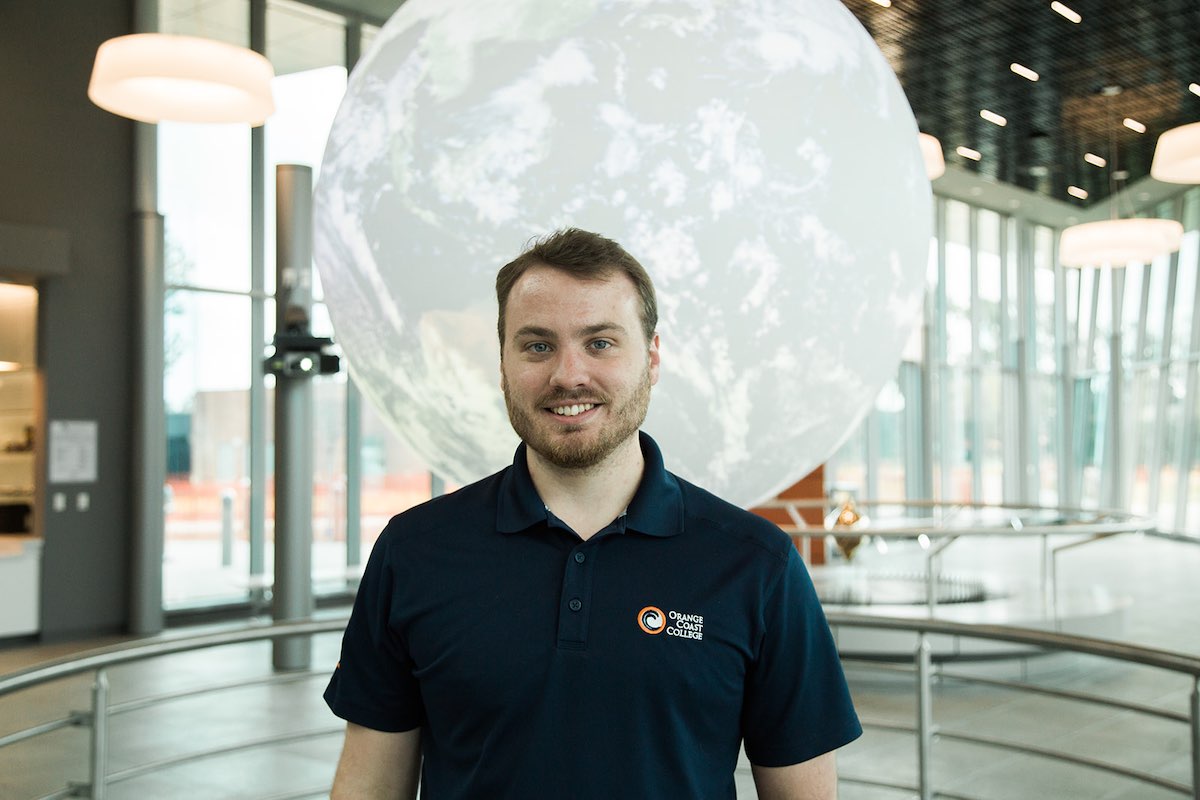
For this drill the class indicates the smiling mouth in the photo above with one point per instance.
(572, 410)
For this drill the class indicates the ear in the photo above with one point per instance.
(655, 358)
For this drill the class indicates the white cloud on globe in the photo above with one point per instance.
(757, 156)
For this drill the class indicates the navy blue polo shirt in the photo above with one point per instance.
(629, 665)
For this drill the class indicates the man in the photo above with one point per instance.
(584, 624)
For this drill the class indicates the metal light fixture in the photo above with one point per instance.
(843, 518)
(931, 151)
(1116, 242)
(156, 77)
(1177, 155)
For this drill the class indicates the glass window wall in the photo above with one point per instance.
(1018, 333)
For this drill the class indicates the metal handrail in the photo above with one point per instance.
(1065, 694)
(818, 502)
(273, 680)
(1050, 641)
(1096, 526)
(1113, 521)
(100, 660)
(125, 653)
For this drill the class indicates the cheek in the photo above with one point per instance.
(519, 377)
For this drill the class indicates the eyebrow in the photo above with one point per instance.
(587, 330)
(601, 327)
(533, 330)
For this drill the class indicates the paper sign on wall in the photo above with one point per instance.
(72, 451)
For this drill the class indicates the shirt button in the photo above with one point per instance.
(580, 558)
(575, 604)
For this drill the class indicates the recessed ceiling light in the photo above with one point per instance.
(1062, 10)
(1133, 125)
(884, 3)
(1075, 191)
(1094, 160)
(1194, 88)
(993, 117)
(967, 152)
(1025, 72)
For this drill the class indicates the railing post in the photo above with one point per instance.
(99, 754)
(1195, 722)
(1049, 580)
(924, 718)
(227, 528)
(931, 582)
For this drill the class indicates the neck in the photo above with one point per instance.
(589, 498)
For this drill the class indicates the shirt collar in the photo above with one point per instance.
(656, 508)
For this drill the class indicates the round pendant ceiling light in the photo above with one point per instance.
(1117, 242)
(931, 151)
(156, 77)
(1177, 155)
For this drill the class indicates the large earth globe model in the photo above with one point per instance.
(757, 156)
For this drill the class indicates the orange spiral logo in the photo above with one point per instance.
(652, 620)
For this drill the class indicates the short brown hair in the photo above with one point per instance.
(585, 255)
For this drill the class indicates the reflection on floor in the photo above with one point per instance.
(1159, 577)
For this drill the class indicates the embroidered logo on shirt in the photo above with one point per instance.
(652, 620)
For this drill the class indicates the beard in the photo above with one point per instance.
(570, 447)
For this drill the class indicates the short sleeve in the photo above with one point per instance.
(373, 684)
(797, 705)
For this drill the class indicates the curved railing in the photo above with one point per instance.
(924, 728)
(96, 720)
(946, 524)
(927, 732)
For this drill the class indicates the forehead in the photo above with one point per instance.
(544, 293)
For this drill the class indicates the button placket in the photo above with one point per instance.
(575, 599)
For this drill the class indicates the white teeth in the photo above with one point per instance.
(571, 411)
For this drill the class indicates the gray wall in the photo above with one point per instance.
(66, 164)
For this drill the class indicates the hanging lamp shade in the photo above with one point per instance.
(157, 77)
(1117, 242)
(1177, 155)
(931, 151)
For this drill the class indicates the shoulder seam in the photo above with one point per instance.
(778, 553)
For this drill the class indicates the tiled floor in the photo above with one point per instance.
(1160, 579)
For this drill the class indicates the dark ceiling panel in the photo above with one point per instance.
(953, 57)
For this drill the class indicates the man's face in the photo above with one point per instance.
(576, 368)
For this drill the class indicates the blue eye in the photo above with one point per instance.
(539, 347)
(601, 344)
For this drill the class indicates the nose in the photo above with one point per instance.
(570, 370)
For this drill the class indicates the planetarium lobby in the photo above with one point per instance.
(928, 279)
